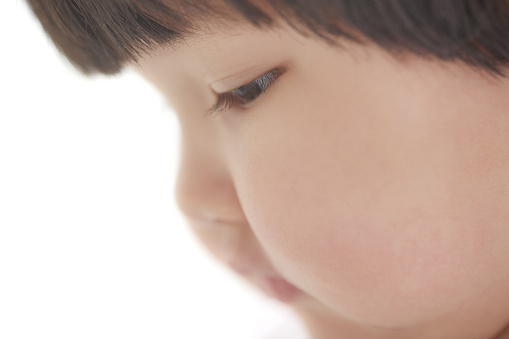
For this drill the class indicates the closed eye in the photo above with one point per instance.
(245, 94)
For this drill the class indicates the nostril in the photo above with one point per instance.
(213, 210)
(208, 223)
(210, 217)
(211, 222)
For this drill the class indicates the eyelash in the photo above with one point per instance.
(245, 94)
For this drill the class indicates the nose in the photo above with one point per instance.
(206, 195)
(204, 190)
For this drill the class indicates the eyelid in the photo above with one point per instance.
(228, 100)
(275, 71)
(233, 82)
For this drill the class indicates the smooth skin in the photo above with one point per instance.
(378, 187)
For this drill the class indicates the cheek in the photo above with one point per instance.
(387, 215)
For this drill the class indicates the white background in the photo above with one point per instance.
(91, 243)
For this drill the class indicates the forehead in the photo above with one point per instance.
(219, 51)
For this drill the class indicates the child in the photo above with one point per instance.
(348, 157)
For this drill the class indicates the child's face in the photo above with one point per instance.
(380, 190)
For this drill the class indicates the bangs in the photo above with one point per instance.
(104, 35)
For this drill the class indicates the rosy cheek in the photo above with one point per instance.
(368, 251)
(384, 212)
(367, 267)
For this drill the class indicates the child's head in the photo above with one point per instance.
(357, 163)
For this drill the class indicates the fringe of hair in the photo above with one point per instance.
(103, 35)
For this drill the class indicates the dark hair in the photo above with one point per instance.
(103, 35)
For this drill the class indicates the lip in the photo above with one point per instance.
(252, 266)
(279, 289)
(272, 285)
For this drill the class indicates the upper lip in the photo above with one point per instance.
(248, 260)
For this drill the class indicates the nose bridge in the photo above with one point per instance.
(204, 189)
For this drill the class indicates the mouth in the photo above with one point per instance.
(279, 289)
(274, 287)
